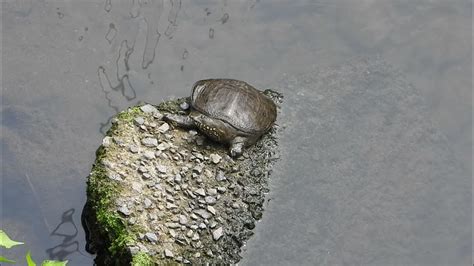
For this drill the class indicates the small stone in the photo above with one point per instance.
(137, 186)
(210, 200)
(212, 191)
(211, 210)
(183, 219)
(192, 132)
(170, 206)
(184, 106)
(178, 178)
(221, 189)
(163, 128)
(142, 169)
(203, 213)
(133, 149)
(133, 250)
(200, 191)
(152, 237)
(163, 146)
(215, 158)
(209, 253)
(124, 210)
(172, 225)
(150, 142)
(115, 176)
(199, 156)
(197, 255)
(158, 115)
(190, 233)
(220, 176)
(161, 169)
(172, 233)
(217, 234)
(147, 202)
(146, 176)
(149, 155)
(168, 253)
(147, 108)
(235, 205)
(195, 237)
(107, 141)
(139, 120)
(198, 169)
(202, 225)
(213, 224)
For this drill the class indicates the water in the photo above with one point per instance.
(69, 67)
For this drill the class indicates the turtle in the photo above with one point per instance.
(228, 111)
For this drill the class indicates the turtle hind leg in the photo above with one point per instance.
(181, 120)
(237, 145)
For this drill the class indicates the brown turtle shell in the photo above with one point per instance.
(234, 102)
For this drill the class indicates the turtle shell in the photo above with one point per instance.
(235, 102)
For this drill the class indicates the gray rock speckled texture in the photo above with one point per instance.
(376, 183)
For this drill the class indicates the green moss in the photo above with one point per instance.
(172, 106)
(142, 259)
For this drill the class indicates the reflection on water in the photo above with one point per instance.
(69, 243)
(68, 67)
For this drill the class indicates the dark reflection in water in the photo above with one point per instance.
(69, 243)
(69, 67)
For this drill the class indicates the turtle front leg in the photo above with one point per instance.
(180, 120)
(237, 145)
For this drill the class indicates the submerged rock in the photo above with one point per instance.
(160, 211)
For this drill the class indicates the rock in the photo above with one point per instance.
(163, 128)
(133, 149)
(150, 155)
(183, 219)
(107, 141)
(115, 176)
(218, 233)
(152, 237)
(133, 250)
(200, 191)
(163, 146)
(124, 210)
(139, 120)
(211, 210)
(220, 176)
(215, 158)
(168, 253)
(150, 142)
(210, 200)
(177, 178)
(203, 213)
(184, 106)
(212, 191)
(137, 187)
(172, 225)
(161, 169)
(148, 108)
(147, 202)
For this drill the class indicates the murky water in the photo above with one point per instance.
(68, 67)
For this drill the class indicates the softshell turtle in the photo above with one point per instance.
(228, 111)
